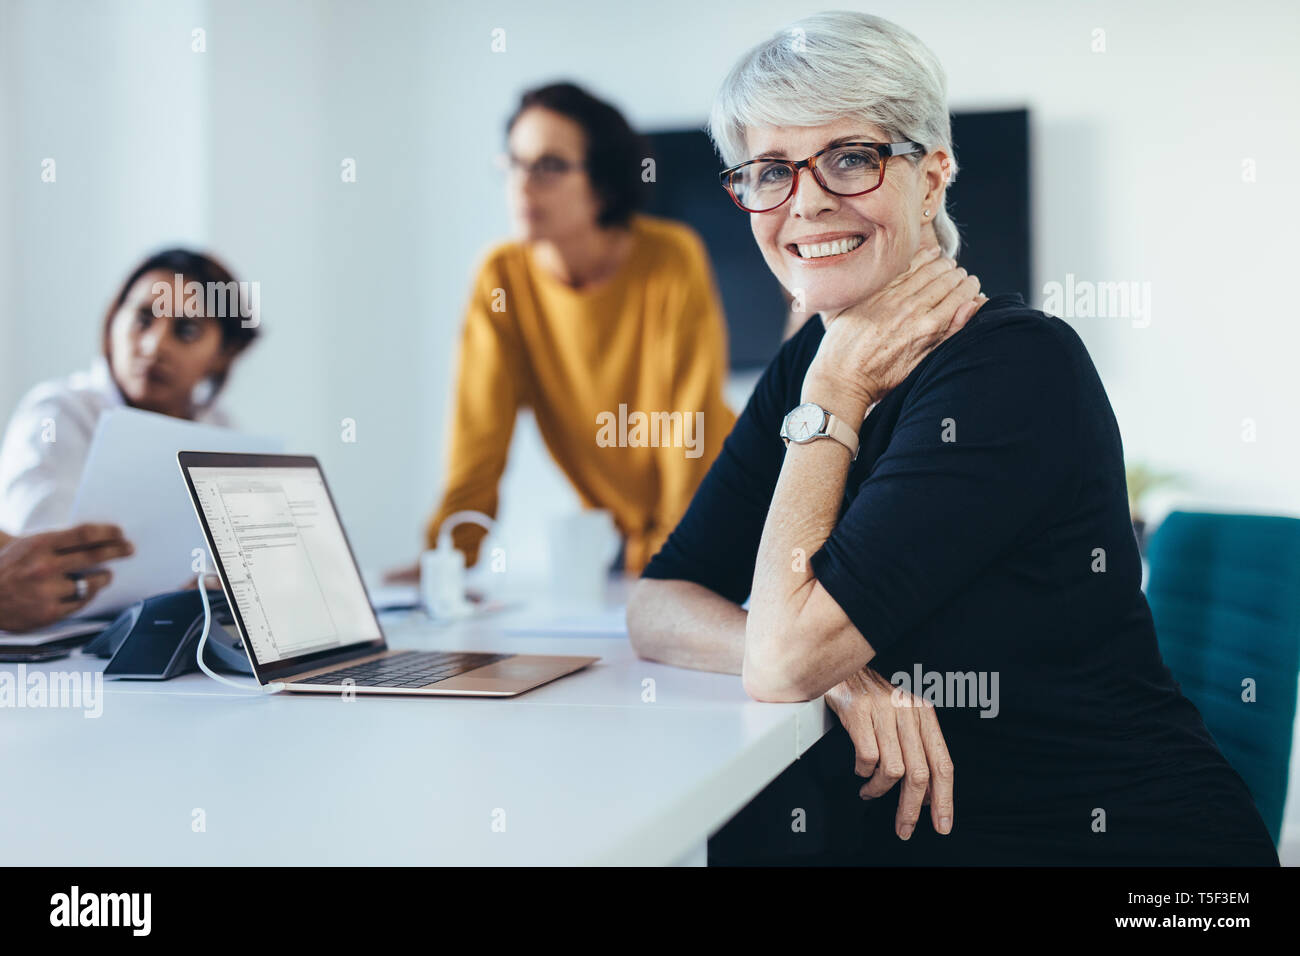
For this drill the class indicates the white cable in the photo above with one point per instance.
(203, 640)
(457, 518)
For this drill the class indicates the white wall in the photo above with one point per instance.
(8, 174)
(114, 98)
(354, 304)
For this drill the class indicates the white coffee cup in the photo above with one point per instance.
(442, 583)
(582, 547)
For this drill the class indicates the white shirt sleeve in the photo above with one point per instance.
(42, 457)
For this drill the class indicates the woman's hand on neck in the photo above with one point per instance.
(929, 240)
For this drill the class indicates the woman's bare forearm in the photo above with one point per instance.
(686, 625)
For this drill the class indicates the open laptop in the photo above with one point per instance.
(298, 599)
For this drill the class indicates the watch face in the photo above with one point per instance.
(804, 422)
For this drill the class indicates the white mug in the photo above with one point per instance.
(582, 546)
(442, 583)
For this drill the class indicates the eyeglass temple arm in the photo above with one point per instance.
(902, 149)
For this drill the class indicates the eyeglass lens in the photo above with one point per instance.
(845, 170)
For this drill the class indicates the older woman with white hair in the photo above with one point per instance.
(926, 485)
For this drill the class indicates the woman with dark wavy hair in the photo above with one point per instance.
(593, 312)
(166, 345)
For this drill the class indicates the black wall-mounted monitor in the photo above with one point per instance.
(989, 202)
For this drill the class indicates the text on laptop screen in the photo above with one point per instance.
(286, 560)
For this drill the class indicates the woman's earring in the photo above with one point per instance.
(927, 212)
(204, 392)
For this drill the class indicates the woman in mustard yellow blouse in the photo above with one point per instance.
(604, 321)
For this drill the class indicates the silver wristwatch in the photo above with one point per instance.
(809, 422)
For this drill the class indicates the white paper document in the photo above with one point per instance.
(131, 479)
(55, 632)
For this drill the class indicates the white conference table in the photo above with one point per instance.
(584, 770)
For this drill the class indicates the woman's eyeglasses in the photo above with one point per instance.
(846, 169)
(544, 171)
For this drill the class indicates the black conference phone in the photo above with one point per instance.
(157, 638)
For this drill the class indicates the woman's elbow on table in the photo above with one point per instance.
(801, 656)
(776, 670)
(771, 686)
(640, 602)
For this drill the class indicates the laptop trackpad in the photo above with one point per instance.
(519, 668)
(513, 674)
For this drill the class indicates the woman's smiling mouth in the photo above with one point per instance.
(819, 247)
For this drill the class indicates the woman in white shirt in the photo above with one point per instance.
(167, 347)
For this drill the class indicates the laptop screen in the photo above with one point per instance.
(286, 562)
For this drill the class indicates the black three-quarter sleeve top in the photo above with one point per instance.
(984, 549)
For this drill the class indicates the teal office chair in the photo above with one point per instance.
(1225, 594)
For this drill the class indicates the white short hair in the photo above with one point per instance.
(833, 66)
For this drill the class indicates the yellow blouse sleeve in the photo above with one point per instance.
(490, 386)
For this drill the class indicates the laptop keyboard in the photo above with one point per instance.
(407, 669)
